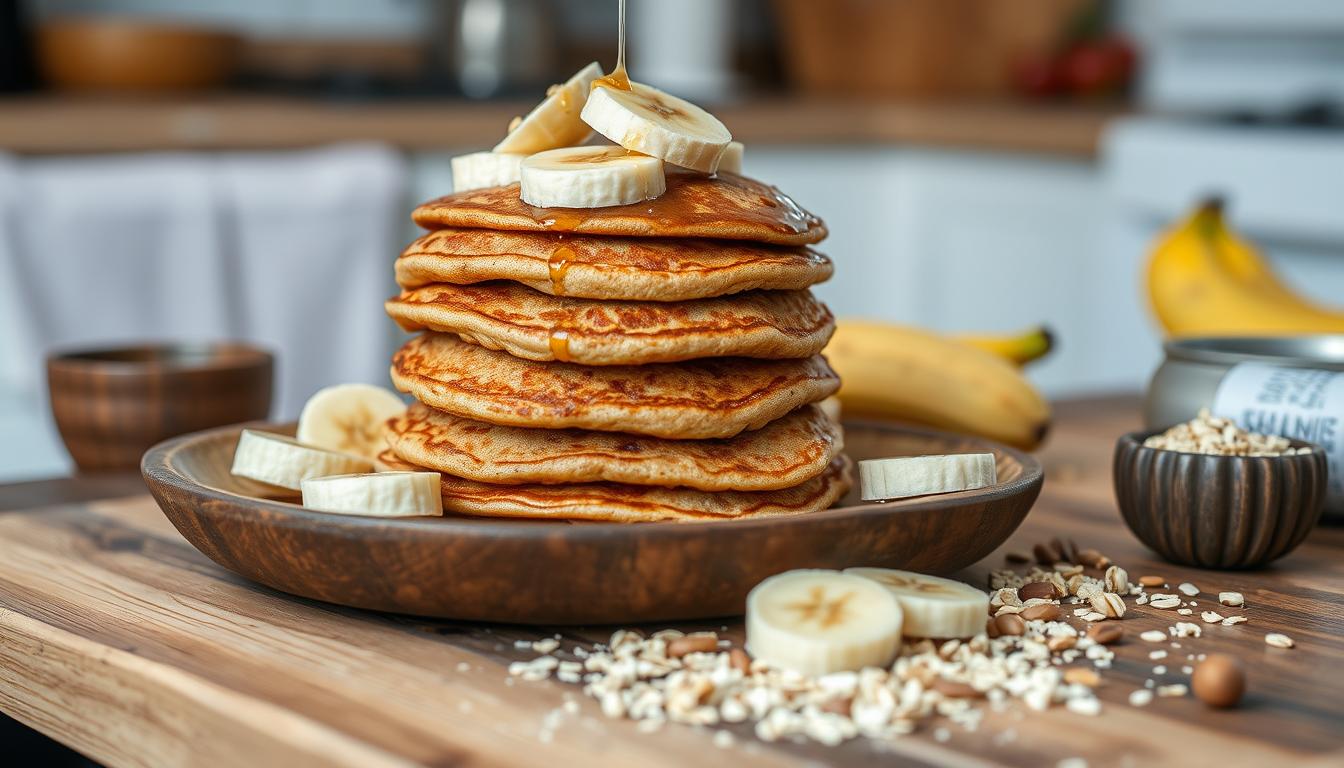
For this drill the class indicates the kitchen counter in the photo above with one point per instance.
(68, 125)
(120, 640)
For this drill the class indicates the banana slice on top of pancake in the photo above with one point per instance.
(590, 177)
(555, 122)
(646, 120)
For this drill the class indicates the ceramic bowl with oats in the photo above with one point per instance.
(1197, 503)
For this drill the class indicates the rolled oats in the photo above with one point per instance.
(1108, 604)
(1233, 599)
(1153, 636)
(1220, 437)
(1188, 589)
(1211, 617)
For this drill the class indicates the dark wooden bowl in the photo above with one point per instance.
(1218, 511)
(539, 572)
(113, 404)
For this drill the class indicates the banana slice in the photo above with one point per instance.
(898, 478)
(934, 607)
(817, 622)
(485, 169)
(646, 120)
(731, 161)
(349, 418)
(555, 121)
(285, 463)
(590, 177)
(385, 494)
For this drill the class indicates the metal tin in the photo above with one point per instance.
(1193, 369)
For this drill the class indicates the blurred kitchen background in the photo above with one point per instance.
(182, 169)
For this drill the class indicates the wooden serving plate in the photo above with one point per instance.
(545, 572)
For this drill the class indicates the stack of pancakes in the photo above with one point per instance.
(641, 362)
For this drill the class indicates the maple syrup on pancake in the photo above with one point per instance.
(560, 345)
(617, 78)
(562, 258)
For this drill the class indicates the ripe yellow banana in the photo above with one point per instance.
(913, 375)
(1019, 348)
(1205, 281)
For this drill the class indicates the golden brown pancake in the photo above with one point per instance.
(724, 207)
(627, 268)
(612, 502)
(697, 399)
(537, 326)
(784, 453)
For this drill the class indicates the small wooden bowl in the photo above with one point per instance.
(1218, 511)
(103, 54)
(111, 405)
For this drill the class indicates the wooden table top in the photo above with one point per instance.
(63, 124)
(120, 640)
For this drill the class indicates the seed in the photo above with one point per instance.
(1068, 549)
(1152, 581)
(1010, 624)
(1105, 634)
(1279, 641)
(1043, 590)
(1081, 676)
(1043, 612)
(1219, 680)
(1233, 599)
(1013, 556)
(954, 689)
(1089, 557)
(692, 644)
(1109, 604)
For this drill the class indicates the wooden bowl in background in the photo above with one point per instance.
(111, 405)
(98, 54)
(1218, 511)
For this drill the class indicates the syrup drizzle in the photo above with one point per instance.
(560, 345)
(617, 78)
(558, 264)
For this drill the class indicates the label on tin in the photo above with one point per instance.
(1300, 403)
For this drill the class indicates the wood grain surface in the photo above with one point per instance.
(121, 640)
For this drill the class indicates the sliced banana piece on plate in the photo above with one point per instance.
(385, 494)
(555, 121)
(646, 120)
(898, 478)
(816, 622)
(479, 170)
(731, 161)
(934, 607)
(285, 463)
(590, 177)
(349, 418)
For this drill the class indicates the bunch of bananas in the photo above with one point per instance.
(968, 384)
(1204, 280)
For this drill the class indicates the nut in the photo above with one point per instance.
(1090, 558)
(1152, 581)
(954, 689)
(1013, 556)
(1165, 602)
(1105, 634)
(1010, 624)
(1082, 676)
(1043, 590)
(1046, 554)
(1109, 604)
(1043, 612)
(1233, 599)
(1219, 680)
(739, 660)
(692, 644)
(1063, 642)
